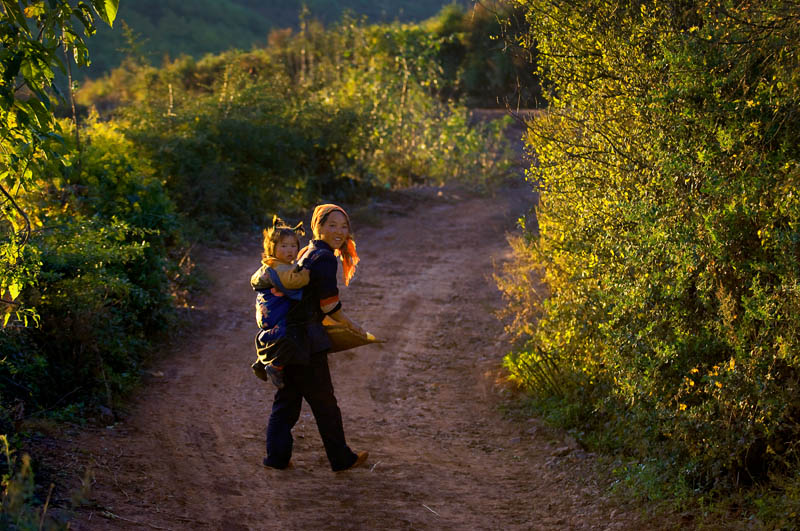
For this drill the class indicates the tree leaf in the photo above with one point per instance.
(112, 6)
(107, 9)
(14, 290)
(14, 11)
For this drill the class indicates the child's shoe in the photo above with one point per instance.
(275, 375)
(260, 370)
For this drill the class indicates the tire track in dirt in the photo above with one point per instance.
(188, 453)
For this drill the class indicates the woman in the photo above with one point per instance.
(310, 378)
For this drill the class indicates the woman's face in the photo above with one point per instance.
(334, 229)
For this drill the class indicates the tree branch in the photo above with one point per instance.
(21, 212)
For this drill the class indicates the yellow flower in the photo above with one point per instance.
(682, 406)
(718, 384)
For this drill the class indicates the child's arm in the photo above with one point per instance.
(294, 278)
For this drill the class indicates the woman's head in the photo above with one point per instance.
(282, 241)
(333, 229)
(331, 224)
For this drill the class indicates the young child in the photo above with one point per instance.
(277, 283)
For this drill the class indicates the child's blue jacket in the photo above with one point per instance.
(273, 301)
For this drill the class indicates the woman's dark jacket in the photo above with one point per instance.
(304, 321)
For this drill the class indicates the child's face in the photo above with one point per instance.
(286, 249)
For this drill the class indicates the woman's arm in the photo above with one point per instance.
(323, 277)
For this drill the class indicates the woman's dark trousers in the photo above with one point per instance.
(312, 382)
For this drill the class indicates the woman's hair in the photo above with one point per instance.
(276, 233)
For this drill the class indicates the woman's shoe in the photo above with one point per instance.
(360, 460)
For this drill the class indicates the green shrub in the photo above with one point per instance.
(104, 230)
(481, 66)
(670, 228)
(19, 507)
(230, 164)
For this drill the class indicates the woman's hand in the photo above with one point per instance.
(341, 318)
(357, 329)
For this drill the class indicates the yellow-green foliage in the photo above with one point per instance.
(34, 35)
(103, 230)
(670, 224)
(327, 113)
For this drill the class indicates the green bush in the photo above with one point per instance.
(229, 164)
(481, 65)
(104, 231)
(328, 113)
(670, 228)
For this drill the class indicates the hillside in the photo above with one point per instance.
(171, 27)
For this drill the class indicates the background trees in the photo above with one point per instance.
(174, 28)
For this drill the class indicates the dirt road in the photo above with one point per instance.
(188, 453)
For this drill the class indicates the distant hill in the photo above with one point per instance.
(174, 27)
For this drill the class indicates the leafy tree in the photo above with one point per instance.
(35, 36)
(669, 229)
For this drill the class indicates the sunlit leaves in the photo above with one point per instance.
(670, 221)
(33, 34)
(107, 9)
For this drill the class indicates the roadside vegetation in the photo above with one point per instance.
(656, 303)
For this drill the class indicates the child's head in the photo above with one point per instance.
(282, 241)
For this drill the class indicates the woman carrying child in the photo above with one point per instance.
(307, 375)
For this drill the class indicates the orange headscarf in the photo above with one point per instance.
(348, 250)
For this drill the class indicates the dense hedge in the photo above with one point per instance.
(669, 232)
